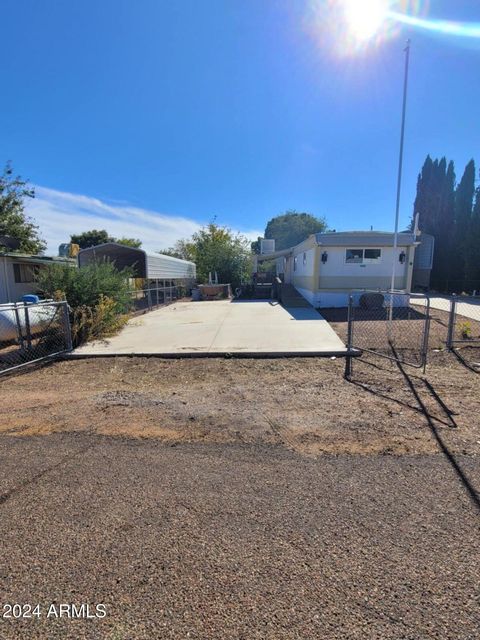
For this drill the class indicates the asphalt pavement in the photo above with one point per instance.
(231, 541)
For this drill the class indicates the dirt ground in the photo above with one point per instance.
(242, 499)
(370, 327)
(303, 404)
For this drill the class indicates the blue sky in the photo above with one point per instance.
(149, 117)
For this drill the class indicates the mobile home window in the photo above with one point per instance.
(295, 263)
(354, 256)
(372, 255)
(362, 256)
(24, 272)
(304, 259)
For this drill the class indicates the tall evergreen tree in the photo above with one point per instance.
(422, 205)
(449, 214)
(472, 248)
(435, 205)
(463, 218)
(444, 225)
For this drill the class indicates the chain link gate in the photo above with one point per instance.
(463, 338)
(464, 323)
(387, 325)
(33, 332)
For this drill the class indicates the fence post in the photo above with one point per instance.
(66, 327)
(27, 326)
(426, 337)
(348, 361)
(451, 322)
(149, 298)
(19, 326)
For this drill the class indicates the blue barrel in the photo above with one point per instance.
(30, 298)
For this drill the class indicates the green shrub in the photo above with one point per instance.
(99, 296)
(99, 321)
(466, 330)
(86, 286)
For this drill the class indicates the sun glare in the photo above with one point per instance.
(365, 18)
(349, 27)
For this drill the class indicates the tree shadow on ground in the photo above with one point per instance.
(474, 495)
(430, 419)
(448, 422)
(464, 362)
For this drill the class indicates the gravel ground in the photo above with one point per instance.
(242, 499)
(302, 403)
(236, 541)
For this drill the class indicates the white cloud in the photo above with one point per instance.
(59, 214)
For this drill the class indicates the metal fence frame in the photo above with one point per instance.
(352, 346)
(144, 300)
(32, 346)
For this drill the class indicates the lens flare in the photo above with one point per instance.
(347, 27)
(449, 27)
(364, 19)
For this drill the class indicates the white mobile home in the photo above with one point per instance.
(18, 273)
(325, 267)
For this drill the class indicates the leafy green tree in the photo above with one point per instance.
(292, 227)
(129, 242)
(90, 238)
(181, 249)
(216, 249)
(13, 221)
(255, 246)
(95, 237)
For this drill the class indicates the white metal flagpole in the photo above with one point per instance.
(400, 170)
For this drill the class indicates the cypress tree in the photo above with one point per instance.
(463, 218)
(435, 204)
(422, 200)
(472, 249)
(444, 224)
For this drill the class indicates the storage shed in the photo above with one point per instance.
(147, 266)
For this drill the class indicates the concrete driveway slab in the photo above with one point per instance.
(254, 327)
(468, 307)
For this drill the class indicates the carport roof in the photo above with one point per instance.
(146, 265)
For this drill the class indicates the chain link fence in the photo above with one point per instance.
(32, 332)
(463, 336)
(144, 300)
(464, 325)
(389, 325)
